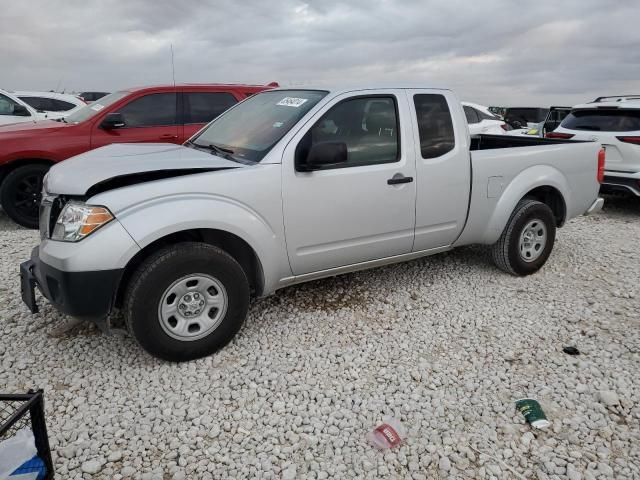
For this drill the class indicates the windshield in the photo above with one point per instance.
(250, 129)
(90, 110)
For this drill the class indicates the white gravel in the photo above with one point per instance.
(445, 344)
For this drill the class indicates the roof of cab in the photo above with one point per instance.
(339, 89)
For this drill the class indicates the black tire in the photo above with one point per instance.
(21, 194)
(506, 251)
(156, 274)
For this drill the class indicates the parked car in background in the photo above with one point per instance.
(481, 120)
(53, 105)
(525, 117)
(290, 186)
(549, 124)
(92, 96)
(14, 110)
(169, 114)
(614, 122)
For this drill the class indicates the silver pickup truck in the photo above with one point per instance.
(290, 186)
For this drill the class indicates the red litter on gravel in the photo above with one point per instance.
(387, 435)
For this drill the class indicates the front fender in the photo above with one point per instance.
(526, 181)
(156, 218)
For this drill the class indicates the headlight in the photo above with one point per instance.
(78, 220)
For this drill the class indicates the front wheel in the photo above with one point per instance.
(21, 194)
(186, 301)
(527, 239)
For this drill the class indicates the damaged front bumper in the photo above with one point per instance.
(88, 295)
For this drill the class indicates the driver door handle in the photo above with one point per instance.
(168, 135)
(398, 178)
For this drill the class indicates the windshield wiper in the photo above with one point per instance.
(215, 149)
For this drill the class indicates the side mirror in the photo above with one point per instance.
(326, 154)
(20, 111)
(113, 120)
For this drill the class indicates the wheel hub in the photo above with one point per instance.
(533, 240)
(192, 307)
(191, 304)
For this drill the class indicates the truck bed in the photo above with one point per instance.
(488, 142)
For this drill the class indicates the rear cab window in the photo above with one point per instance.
(435, 126)
(603, 120)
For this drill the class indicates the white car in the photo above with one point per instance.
(614, 122)
(14, 110)
(53, 105)
(482, 121)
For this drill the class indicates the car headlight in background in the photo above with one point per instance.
(77, 220)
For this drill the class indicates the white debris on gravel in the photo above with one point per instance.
(445, 344)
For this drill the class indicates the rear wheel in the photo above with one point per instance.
(186, 301)
(527, 239)
(22, 192)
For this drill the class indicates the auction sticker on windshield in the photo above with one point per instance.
(291, 102)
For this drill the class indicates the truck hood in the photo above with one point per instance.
(123, 164)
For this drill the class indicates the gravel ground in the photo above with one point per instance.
(445, 344)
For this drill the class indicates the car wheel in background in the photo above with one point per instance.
(21, 194)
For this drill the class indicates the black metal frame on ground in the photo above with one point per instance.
(16, 418)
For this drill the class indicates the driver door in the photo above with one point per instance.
(360, 210)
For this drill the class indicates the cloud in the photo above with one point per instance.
(492, 52)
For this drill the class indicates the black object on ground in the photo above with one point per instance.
(571, 351)
(18, 411)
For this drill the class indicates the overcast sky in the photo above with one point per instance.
(498, 52)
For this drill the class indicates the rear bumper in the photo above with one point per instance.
(619, 182)
(596, 206)
(86, 295)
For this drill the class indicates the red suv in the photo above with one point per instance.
(149, 114)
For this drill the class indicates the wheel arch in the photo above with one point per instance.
(235, 246)
(543, 183)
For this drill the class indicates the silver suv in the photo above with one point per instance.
(614, 122)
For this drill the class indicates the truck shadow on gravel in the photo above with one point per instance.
(358, 289)
(622, 207)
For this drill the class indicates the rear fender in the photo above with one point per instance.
(525, 182)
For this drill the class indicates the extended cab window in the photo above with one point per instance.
(154, 110)
(368, 126)
(435, 127)
(204, 107)
(603, 120)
